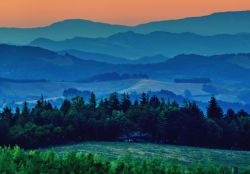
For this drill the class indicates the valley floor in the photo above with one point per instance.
(185, 155)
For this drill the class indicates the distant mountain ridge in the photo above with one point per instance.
(112, 59)
(232, 22)
(218, 23)
(95, 56)
(59, 31)
(135, 45)
(26, 62)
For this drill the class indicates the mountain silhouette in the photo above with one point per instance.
(33, 63)
(218, 23)
(134, 45)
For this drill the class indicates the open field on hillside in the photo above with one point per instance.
(55, 89)
(23, 91)
(185, 155)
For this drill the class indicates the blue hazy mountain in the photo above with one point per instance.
(150, 59)
(95, 56)
(59, 31)
(33, 63)
(218, 23)
(134, 45)
(112, 59)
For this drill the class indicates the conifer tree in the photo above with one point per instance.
(126, 103)
(214, 111)
(144, 99)
(92, 101)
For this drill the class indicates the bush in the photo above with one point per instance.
(17, 161)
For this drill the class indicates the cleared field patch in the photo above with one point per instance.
(185, 155)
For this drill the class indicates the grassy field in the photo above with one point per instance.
(185, 155)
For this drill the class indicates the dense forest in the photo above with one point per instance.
(115, 118)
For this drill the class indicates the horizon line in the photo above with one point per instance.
(125, 25)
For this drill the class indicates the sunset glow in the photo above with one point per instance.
(29, 13)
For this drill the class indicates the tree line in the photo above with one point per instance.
(117, 118)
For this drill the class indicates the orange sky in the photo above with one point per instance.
(29, 13)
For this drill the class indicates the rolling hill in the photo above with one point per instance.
(112, 59)
(25, 62)
(134, 45)
(226, 23)
(59, 31)
(95, 56)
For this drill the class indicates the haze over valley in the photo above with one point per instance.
(149, 57)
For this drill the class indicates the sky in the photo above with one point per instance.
(31, 13)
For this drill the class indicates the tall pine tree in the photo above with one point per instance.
(214, 111)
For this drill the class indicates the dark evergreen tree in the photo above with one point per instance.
(65, 107)
(114, 103)
(214, 111)
(230, 115)
(92, 101)
(7, 116)
(25, 115)
(154, 102)
(125, 103)
(18, 112)
(78, 104)
(144, 99)
(48, 106)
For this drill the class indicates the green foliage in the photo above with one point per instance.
(17, 161)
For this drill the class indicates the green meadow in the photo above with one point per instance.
(183, 154)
